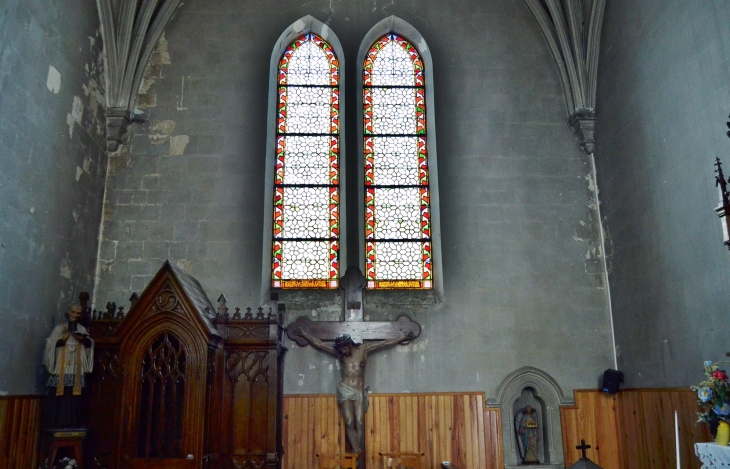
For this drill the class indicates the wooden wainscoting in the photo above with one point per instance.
(646, 428)
(633, 429)
(20, 424)
(593, 418)
(452, 427)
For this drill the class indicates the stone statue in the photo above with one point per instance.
(69, 355)
(527, 434)
(351, 395)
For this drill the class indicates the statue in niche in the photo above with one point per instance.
(69, 355)
(526, 428)
(351, 395)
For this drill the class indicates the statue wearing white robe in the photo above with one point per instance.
(68, 356)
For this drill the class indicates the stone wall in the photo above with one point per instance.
(52, 172)
(524, 282)
(663, 100)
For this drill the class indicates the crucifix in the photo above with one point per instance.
(350, 348)
(583, 447)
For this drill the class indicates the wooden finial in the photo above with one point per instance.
(133, 299)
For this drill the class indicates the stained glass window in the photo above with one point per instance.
(398, 248)
(306, 187)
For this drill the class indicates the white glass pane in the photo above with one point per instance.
(307, 160)
(393, 66)
(306, 212)
(397, 213)
(398, 261)
(394, 110)
(309, 66)
(305, 260)
(395, 160)
(308, 110)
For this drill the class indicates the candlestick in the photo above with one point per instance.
(676, 436)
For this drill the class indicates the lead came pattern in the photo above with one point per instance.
(308, 110)
(397, 201)
(309, 160)
(306, 193)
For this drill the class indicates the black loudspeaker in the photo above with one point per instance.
(612, 380)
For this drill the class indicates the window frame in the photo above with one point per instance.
(304, 25)
(396, 25)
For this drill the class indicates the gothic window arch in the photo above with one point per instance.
(304, 160)
(399, 190)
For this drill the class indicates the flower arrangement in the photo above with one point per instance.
(713, 395)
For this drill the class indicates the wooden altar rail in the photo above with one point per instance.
(445, 426)
(633, 429)
(20, 422)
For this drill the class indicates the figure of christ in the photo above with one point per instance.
(351, 395)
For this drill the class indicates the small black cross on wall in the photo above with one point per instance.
(583, 447)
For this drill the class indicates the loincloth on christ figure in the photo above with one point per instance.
(346, 393)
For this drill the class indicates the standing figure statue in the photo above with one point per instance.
(527, 434)
(69, 355)
(351, 395)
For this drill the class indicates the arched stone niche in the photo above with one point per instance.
(532, 386)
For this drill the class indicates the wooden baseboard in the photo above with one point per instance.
(20, 423)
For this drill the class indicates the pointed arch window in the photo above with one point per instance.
(398, 241)
(306, 225)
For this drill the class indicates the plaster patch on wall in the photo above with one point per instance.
(66, 268)
(160, 56)
(185, 265)
(312, 367)
(79, 172)
(160, 131)
(419, 344)
(77, 112)
(180, 106)
(178, 143)
(330, 368)
(152, 71)
(300, 381)
(591, 191)
(54, 80)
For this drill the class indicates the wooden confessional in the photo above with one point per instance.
(176, 385)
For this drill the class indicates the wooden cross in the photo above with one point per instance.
(353, 284)
(583, 447)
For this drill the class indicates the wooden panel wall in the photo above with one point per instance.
(593, 418)
(20, 422)
(646, 428)
(634, 429)
(446, 427)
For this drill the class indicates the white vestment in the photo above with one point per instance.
(74, 350)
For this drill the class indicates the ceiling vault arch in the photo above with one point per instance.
(575, 50)
(130, 30)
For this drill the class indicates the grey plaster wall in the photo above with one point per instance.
(663, 100)
(522, 266)
(52, 171)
